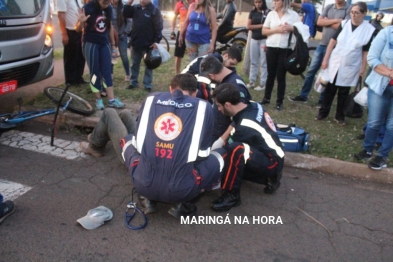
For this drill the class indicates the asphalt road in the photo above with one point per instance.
(324, 217)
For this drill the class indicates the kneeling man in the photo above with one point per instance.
(255, 152)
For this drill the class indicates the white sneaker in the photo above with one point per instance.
(249, 85)
(259, 88)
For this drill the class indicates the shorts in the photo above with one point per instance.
(180, 50)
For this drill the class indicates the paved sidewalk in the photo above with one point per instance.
(296, 160)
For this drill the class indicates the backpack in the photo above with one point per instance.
(293, 138)
(317, 28)
(297, 61)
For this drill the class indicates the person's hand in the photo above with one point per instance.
(154, 46)
(82, 17)
(361, 72)
(288, 27)
(324, 64)
(65, 39)
(173, 36)
(281, 29)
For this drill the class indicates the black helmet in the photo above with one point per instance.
(152, 59)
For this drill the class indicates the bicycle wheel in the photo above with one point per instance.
(78, 105)
(164, 42)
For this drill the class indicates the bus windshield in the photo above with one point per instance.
(20, 8)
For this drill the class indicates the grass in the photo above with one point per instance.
(327, 138)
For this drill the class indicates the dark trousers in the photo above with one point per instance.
(257, 168)
(74, 61)
(275, 58)
(330, 93)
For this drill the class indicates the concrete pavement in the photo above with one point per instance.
(297, 160)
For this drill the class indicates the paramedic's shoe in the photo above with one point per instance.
(6, 209)
(183, 210)
(116, 103)
(273, 184)
(90, 149)
(147, 206)
(363, 155)
(100, 104)
(377, 163)
(226, 201)
(297, 99)
(259, 88)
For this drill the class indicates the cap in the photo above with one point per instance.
(95, 217)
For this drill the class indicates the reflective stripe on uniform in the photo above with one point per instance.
(246, 152)
(266, 136)
(126, 145)
(203, 79)
(196, 134)
(142, 128)
(219, 158)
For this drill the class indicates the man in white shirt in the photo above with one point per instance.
(74, 61)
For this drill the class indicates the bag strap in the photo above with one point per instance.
(359, 84)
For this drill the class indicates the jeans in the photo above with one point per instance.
(276, 67)
(136, 57)
(196, 50)
(113, 127)
(123, 45)
(258, 61)
(313, 68)
(380, 110)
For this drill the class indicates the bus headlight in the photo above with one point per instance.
(48, 45)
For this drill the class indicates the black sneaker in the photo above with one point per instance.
(265, 101)
(377, 163)
(132, 87)
(363, 155)
(226, 201)
(297, 99)
(183, 210)
(6, 209)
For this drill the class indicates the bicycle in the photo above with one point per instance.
(72, 102)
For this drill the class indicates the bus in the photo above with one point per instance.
(26, 47)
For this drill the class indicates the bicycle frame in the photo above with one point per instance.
(11, 120)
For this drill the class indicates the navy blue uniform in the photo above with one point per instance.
(222, 122)
(169, 157)
(254, 149)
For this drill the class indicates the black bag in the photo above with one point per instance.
(297, 61)
(351, 108)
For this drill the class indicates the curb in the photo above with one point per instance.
(295, 160)
(338, 167)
